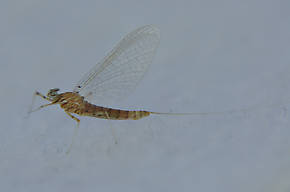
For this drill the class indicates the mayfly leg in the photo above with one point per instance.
(40, 107)
(40, 95)
(31, 105)
(75, 131)
(112, 129)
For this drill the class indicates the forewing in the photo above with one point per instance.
(122, 69)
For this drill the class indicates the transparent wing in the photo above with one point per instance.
(122, 69)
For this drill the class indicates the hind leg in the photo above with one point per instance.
(112, 129)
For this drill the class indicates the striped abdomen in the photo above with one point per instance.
(115, 114)
(74, 103)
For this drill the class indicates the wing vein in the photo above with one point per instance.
(122, 69)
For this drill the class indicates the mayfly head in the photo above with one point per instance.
(52, 94)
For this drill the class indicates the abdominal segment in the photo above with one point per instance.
(74, 103)
(115, 114)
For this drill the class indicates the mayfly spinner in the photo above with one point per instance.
(114, 77)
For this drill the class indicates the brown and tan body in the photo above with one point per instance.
(72, 102)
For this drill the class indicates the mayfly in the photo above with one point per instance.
(112, 78)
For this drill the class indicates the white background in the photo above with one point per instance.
(213, 56)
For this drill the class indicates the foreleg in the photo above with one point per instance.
(33, 98)
(40, 95)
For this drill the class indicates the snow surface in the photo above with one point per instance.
(213, 56)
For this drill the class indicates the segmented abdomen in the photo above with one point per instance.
(115, 114)
(74, 103)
